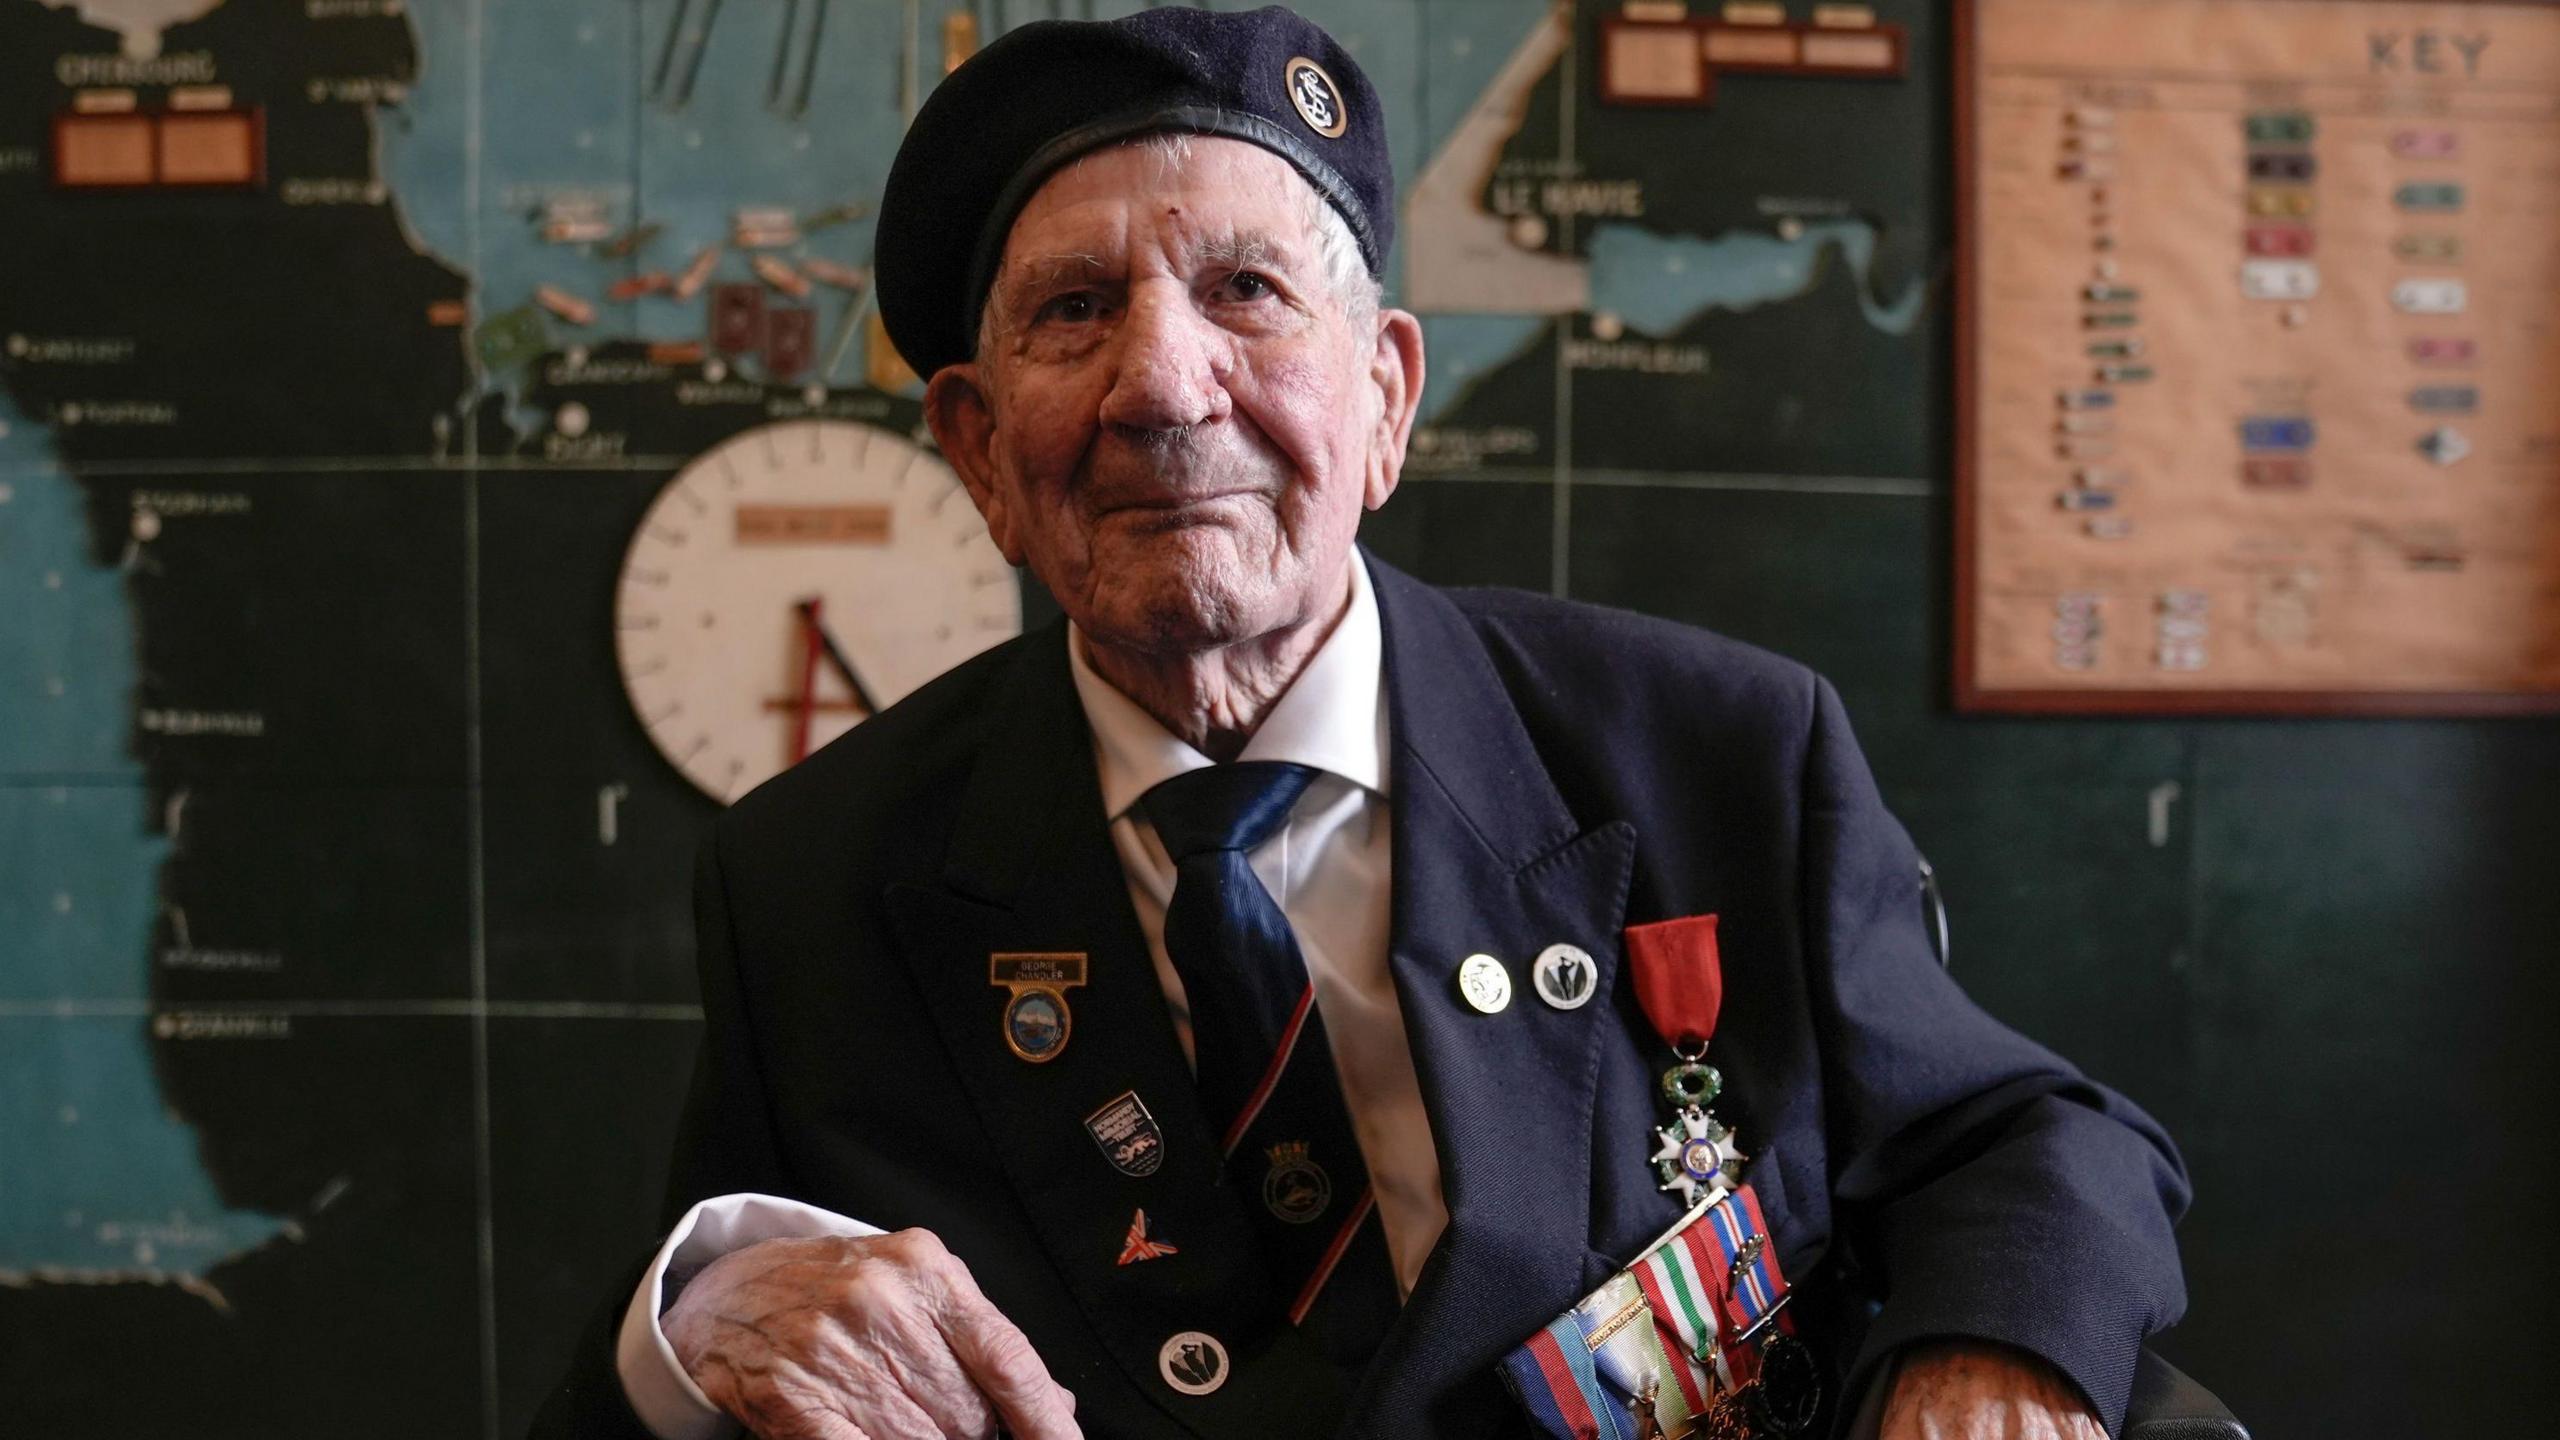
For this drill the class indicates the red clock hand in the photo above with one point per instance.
(803, 704)
(807, 694)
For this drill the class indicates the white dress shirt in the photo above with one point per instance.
(1328, 867)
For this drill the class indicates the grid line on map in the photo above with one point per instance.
(1560, 520)
(483, 1176)
(89, 1009)
(1584, 476)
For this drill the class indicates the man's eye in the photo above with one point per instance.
(1244, 285)
(1075, 309)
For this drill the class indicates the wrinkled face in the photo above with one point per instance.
(1173, 418)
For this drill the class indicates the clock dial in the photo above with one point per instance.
(793, 580)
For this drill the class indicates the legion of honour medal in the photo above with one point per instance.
(1679, 982)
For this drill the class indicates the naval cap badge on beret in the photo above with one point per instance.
(1055, 89)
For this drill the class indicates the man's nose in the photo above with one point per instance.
(1171, 366)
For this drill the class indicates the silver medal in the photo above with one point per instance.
(1697, 1154)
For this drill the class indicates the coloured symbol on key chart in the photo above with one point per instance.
(2258, 340)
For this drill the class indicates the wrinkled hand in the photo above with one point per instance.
(885, 1337)
(1969, 1390)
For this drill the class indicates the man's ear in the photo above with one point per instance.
(963, 422)
(1395, 367)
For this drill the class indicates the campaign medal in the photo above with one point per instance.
(1692, 1341)
(1780, 1393)
(1781, 1399)
(1787, 1394)
(1037, 1021)
(1679, 980)
(1646, 1406)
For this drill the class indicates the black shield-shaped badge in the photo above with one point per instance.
(1128, 1135)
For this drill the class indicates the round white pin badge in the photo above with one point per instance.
(1484, 984)
(1565, 976)
(1193, 1362)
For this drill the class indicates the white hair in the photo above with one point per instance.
(1338, 258)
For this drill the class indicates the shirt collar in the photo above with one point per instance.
(1331, 718)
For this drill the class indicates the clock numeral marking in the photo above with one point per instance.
(700, 507)
(655, 664)
(653, 721)
(700, 743)
(636, 622)
(609, 800)
(729, 468)
(655, 578)
(667, 535)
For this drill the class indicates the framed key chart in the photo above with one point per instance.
(2258, 356)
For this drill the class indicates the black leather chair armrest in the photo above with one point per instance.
(2169, 1406)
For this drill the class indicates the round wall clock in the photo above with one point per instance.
(790, 582)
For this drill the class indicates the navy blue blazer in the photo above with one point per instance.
(1558, 772)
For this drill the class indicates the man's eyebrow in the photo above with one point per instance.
(1246, 250)
(1042, 271)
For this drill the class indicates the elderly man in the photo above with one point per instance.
(1156, 972)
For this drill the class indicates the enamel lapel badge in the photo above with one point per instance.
(1037, 1021)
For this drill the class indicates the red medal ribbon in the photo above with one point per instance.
(1679, 977)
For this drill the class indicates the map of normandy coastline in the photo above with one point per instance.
(99, 1178)
(1488, 290)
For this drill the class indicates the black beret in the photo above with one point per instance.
(1055, 89)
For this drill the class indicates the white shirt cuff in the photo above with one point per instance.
(661, 1393)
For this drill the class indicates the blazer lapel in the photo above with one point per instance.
(1488, 859)
(1031, 869)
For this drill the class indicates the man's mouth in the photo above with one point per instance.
(1178, 501)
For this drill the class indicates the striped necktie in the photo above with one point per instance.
(1264, 1068)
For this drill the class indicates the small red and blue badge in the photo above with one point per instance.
(1139, 1245)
